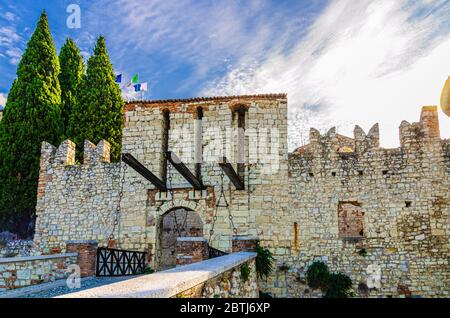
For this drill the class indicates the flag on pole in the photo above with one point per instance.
(119, 78)
(142, 87)
(134, 80)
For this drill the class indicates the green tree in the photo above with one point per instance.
(98, 114)
(70, 78)
(31, 115)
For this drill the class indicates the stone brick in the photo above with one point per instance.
(191, 250)
(87, 255)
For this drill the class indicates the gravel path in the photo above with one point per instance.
(85, 284)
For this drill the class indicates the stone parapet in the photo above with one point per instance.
(218, 277)
(17, 272)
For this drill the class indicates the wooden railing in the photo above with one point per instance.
(113, 262)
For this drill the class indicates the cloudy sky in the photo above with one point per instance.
(341, 62)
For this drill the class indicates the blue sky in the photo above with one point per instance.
(340, 61)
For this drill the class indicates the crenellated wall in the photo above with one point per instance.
(365, 210)
(76, 201)
(402, 195)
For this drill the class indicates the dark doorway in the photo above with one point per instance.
(179, 222)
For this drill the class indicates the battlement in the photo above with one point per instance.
(331, 141)
(349, 194)
(65, 153)
(411, 136)
(427, 129)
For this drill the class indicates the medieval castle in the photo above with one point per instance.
(379, 215)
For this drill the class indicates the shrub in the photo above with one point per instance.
(245, 272)
(339, 286)
(362, 252)
(148, 270)
(317, 275)
(334, 285)
(265, 295)
(264, 262)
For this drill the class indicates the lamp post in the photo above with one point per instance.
(445, 98)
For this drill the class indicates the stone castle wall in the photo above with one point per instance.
(392, 203)
(77, 201)
(252, 208)
(399, 199)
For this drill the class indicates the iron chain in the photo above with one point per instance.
(226, 205)
(117, 212)
(172, 198)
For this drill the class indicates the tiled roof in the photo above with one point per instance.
(214, 98)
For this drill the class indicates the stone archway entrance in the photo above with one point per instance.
(178, 222)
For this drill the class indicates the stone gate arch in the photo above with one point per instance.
(174, 222)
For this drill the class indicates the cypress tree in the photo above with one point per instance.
(31, 115)
(98, 114)
(72, 72)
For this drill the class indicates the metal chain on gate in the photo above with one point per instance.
(172, 195)
(226, 205)
(172, 199)
(117, 212)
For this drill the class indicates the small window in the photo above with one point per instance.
(311, 174)
(333, 174)
(385, 172)
(350, 220)
(408, 204)
(360, 172)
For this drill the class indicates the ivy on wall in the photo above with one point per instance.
(334, 285)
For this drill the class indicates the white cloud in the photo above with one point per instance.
(201, 36)
(9, 16)
(9, 40)
(360, 62)
(3, 98)
(14, 54)
(8, 36)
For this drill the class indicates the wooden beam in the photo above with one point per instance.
(143, 171)
(231, 174)
(184, 171)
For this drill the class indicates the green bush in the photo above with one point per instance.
(265, 295)
(148, 270)
(245, 272)
(264, 262)
(334, 285)
(362, 252)
(317, 275)
(339, 286)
